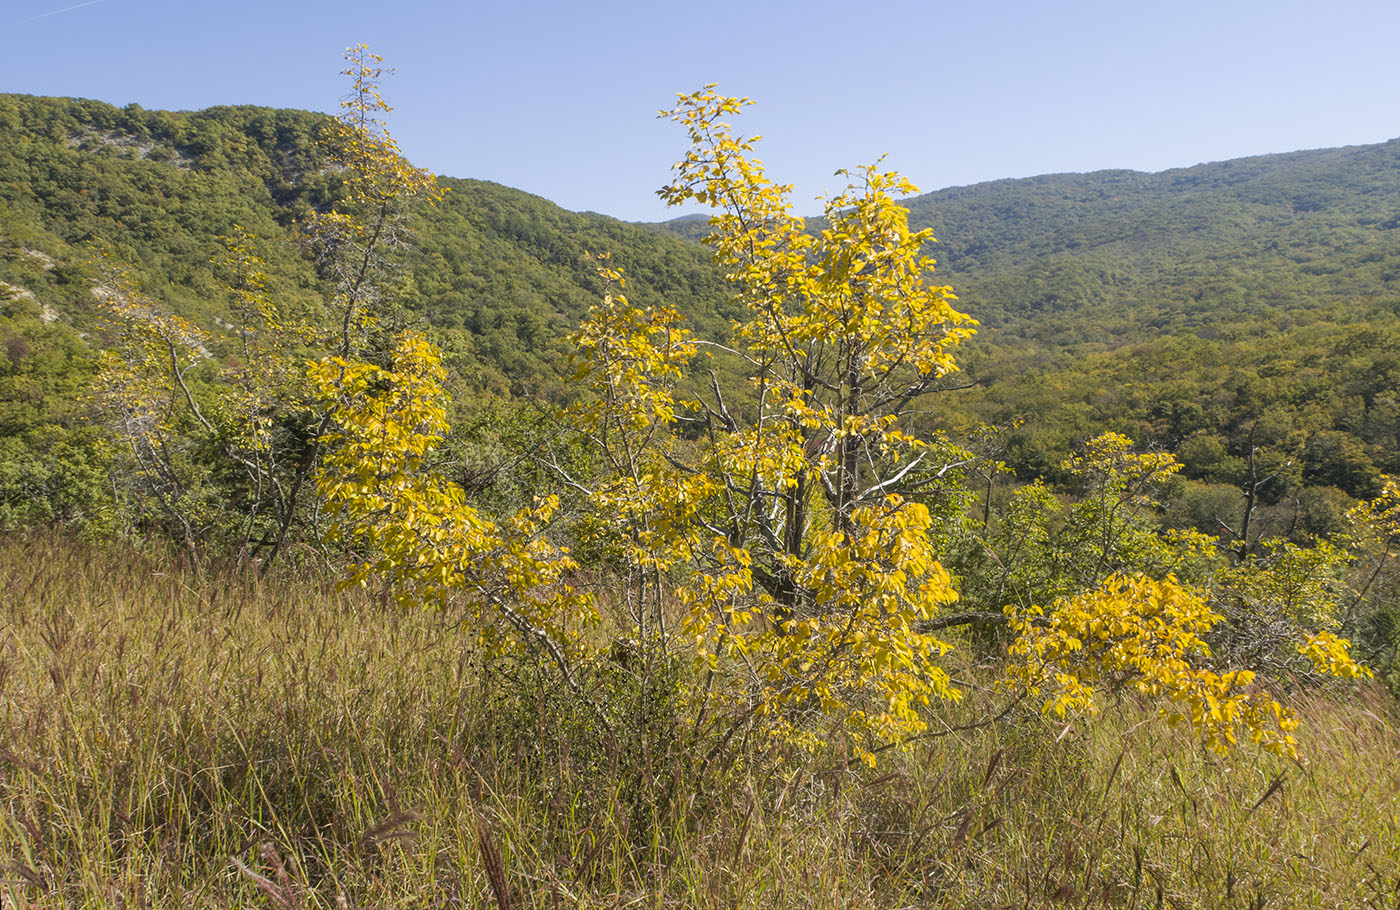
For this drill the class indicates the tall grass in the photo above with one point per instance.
(167, 741)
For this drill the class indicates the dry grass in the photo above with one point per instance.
(167, 743)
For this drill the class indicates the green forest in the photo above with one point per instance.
(376, 538)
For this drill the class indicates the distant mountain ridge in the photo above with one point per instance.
(1254, 302)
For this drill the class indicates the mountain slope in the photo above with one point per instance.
(1213, 310)
(161, 190)
(1284, 226)
(498, 276)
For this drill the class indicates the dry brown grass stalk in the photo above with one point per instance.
(157, 729)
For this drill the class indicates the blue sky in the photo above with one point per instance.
(560, 98)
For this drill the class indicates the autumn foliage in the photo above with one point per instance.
(785, 550)
(777, 553)
(729, 575)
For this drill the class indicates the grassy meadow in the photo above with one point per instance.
(172, 740)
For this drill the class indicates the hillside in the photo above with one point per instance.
(1280, 227)
(1239, 303)
(499, 275)
(159, 190)
(1212, 309)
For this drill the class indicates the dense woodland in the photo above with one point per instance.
(384, 539)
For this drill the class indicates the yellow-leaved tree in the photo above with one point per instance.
(793, 531)
(789, 532)
(356, 240)
(382, 413)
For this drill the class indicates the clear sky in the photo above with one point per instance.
(559, 98)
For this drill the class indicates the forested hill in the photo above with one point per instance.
(502, 274)
(1272, 223)
(497, 275)
(1211, 310)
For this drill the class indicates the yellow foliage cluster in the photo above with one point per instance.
(844, 322)
(1329, 656)
(1381, 516)
(1109, 462)
(1144, 634)
(854, 654)
(415, 528)
(632, 358)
